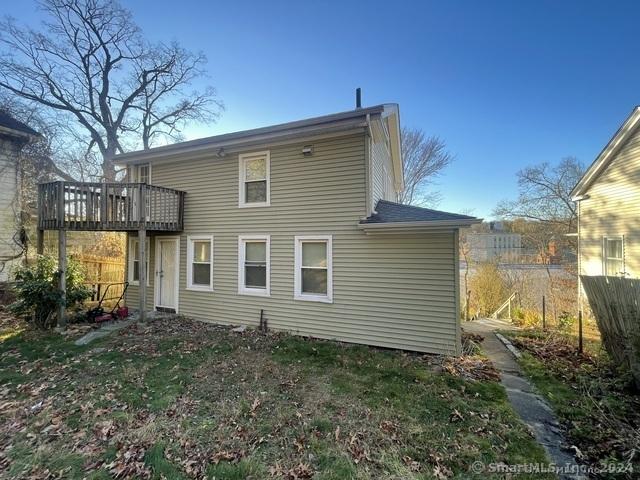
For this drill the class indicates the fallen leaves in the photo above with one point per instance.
(226, 456)
(472, 368)
(299, 472)
(129, 463)
(254, 406)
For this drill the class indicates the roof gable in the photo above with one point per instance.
(608, 153)
(11, 126)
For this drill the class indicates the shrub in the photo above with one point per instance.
(566, 321)
(36, 290)
(525, 317)
(488, 288)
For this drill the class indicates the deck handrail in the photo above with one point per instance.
(109, 206)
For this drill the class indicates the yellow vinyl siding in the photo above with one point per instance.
(382, 173)
(391, 290)
(612, 209)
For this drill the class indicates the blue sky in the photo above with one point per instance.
(504, 83)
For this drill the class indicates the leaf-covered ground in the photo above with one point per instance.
(593, 401)
(176, 399)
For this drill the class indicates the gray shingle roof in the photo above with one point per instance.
(8, 121)
(390, 212)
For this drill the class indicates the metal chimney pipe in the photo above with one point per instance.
(358, 97)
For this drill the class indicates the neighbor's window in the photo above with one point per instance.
(313, 268)
(134, 261)
(200, 262)
(254, 264)
(613, 256)
(254, 179)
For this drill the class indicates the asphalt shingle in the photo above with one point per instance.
(390, 212)
(8, 121)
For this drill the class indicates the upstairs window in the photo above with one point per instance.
(134, 261)
(613, 255)
(200, 262)
(254, 265)
(255, 186)
(141, 173)
(313, 268)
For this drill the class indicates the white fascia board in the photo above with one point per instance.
(606, 155)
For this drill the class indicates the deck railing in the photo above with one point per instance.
(109, 206)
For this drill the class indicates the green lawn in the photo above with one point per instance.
(592, 400)
(182, 399)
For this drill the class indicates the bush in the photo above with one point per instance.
(36, 290)
(525, 317)
(488, 288)
(566, 321)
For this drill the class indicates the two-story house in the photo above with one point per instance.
(608, 197)
(295, 224)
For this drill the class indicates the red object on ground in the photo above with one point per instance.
(104, 318)
(122, 312)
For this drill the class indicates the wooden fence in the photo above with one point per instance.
(615, 302)
(100, 272)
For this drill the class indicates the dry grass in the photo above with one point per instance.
(182, 399)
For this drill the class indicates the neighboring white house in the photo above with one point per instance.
(13, 136)
(608, 197)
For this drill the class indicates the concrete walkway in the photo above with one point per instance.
(533, 410)
(104, 330)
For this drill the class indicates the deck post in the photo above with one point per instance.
(62, 281)
(142, 250)
(142, 275)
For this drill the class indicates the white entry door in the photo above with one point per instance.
(167, 270)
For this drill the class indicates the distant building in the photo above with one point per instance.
(495, 245)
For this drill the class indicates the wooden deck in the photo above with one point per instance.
(119, 207)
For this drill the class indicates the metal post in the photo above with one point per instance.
(580, 346)
(142, 275)
(39, 241)
(544, 313)
(62, 281)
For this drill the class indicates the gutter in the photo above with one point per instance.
(579, 198)
(17, 133)
(424, 225)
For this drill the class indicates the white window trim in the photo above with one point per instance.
(297, 274)
(605, 257)
(131, 260)
(190, 286)
(242, 290)
(135, 171)
(241, 179)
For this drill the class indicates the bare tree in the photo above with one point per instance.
(544, 195)
(544, 210)
(91, 64)
(424, 159)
